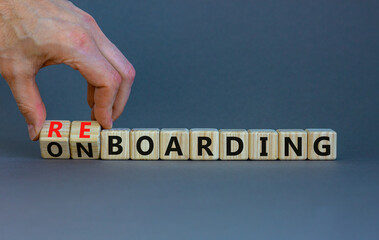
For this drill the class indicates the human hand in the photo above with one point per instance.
(38, 33)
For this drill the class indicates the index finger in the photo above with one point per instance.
(122, 65)
(105, 80)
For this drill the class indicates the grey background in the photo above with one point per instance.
(221, 64)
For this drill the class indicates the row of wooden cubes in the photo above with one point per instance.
(86, 140)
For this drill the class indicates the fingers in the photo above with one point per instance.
(121, 99)
(103, 84)
(29, 101)
(103, 79)
(90, 95)
(112, 55)
(122, 65)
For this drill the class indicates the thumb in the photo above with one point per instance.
(29, 101)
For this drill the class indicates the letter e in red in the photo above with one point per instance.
(84, 129)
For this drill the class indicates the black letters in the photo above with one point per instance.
(151, 145)
(263, 150)
(288, 141)
(60, 150)
(205, 146)
(229, 146)
(326, 147)
(173, 140)
(116, 144)
(80, 147)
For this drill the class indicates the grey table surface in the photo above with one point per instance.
(220, 64)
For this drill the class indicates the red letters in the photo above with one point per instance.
(83, 129)
(55, 129)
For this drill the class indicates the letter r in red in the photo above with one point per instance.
(55, 127)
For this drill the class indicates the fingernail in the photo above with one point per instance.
(32, 132)
(111, 122)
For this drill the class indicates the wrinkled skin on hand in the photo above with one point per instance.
(38, 33)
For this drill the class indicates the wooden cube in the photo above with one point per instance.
(174, 144)
(292, 144)
(204, 144)
(115, 144)
(233, 144)
(144, 144)
(85, 140)
(263, 144)
(322, 144)
(54, 139)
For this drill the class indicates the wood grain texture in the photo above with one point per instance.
(55, 147)
(226, 138)
(322, 144)
(147, 142)
(174, 144)
(298, 138)
(204, 144)
(89, 141)
(118, 148)
(263, 144)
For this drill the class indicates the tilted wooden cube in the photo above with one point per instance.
(144, 143)
(263, 144)
(322, 144)
(233, 144)
(115, 144)
(204, 144)
(174, 144)
(85, 140)
(292, 144)
(55, 139)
